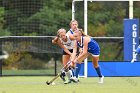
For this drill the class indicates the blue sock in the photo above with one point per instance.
(98, 71)
(72, 71)
(77, 69)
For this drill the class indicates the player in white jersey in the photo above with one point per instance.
(67, 52)
(66, 40)
(67, 43)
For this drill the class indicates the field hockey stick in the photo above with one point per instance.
(64, 68)
(51, 81)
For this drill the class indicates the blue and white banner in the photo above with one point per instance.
(131, 39)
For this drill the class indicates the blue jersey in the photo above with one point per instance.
(93, 47)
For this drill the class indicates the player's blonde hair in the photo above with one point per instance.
(61, 30)
(73, 21)
(81, 32)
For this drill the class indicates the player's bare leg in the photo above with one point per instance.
(95, 60)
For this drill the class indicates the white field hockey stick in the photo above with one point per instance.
(64, 68)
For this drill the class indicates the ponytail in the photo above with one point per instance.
(82, 32)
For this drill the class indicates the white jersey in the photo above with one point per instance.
(70, 32)
(69, 44)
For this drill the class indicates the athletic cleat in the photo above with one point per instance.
(62, 76)
(101, 79)
(67, 82)
(74, 79)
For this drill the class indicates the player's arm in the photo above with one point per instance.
(62, 46)
(84, 52)
(80, 51)
(73, 56)
(71, 37)
(55, 40)
(66, 50)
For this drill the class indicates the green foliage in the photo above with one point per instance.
(136, 9)
(106, 19)
(3, 32)
(28, 62)
(45, 17)
(109, 53)
(52, 18)
(1, 14)
(38, 17)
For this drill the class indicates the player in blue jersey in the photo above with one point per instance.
(90, 47)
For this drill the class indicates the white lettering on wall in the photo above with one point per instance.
(134, 35)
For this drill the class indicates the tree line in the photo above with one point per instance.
(45, 17)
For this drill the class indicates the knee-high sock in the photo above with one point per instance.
(72, 72)
(98, 71)
(69, 74)
(77, 69)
